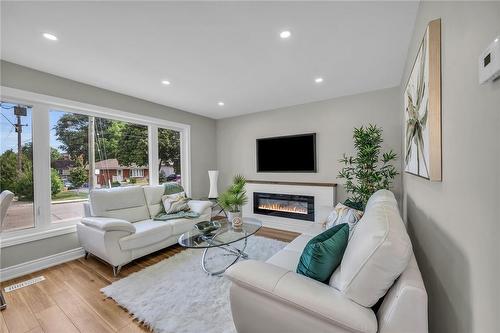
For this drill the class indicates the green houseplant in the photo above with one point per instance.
(369, 170)
(234, 198)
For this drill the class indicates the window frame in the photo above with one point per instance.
(41, 106)
(137, 173)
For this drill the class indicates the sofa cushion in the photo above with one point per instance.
(180, 226)
(147, 232)
(200, 206)
(376, 255)
(323, 253)
(109, 224)
(286, 259)
(153, 194)
(381, 196)
(314, 229)
(126, 203)
(299, 243)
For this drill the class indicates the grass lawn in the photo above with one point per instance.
(69, 195)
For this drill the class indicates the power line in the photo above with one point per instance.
(8, 120)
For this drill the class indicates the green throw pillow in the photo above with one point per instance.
(323, 253)
(172, 188)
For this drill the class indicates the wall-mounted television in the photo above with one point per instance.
(292, 153)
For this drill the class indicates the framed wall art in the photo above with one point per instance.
(422, 108)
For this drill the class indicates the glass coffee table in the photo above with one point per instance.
(224, 242)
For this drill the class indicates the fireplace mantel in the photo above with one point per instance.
(274, 182)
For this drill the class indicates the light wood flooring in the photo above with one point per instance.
(69, 300)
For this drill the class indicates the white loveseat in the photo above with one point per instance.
(269, 297)
(118, 226)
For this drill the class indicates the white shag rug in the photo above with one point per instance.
(177, 296)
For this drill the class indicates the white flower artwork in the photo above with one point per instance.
(422, 105)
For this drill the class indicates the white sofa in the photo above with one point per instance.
(118, 226)
(269, 297)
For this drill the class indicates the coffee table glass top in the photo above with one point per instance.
(226, 234)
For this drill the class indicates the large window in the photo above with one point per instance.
(121, 153)
(69, 164)
(71, 149)
(169, 155)
(16, 167)
(119, 156)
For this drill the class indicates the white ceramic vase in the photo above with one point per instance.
(213, 175)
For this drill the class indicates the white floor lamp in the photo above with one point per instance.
(213, 175)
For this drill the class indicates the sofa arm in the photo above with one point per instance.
(303, 293)
(108, 224)
(199, 206)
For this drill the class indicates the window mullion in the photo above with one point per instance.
(41, 165)
(153, 154)
(186, 160)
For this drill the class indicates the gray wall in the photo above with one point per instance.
(203, 143)
(455, 223)
(333, 120)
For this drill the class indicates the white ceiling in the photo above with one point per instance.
(214, 52)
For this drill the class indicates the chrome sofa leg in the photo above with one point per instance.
(3, 304)
(116, 270)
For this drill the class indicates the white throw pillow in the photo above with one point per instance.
(174, 203)
(376, 255)
(343, 214)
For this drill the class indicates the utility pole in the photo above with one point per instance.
(91, 152)
(19, 112)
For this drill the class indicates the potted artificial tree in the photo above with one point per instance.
(369, 170)
(233, 199)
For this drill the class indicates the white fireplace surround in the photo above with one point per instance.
(324, 200)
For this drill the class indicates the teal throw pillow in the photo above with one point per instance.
(172, 188)
(323, 253)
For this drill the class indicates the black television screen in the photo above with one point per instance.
(293, 153)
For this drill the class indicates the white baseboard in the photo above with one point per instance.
(12, 272)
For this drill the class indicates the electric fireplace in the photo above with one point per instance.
(300, 207)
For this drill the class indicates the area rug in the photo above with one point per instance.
(176, 296)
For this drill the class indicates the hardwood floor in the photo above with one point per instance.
(69, 300)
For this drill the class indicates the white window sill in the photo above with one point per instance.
(30, 235)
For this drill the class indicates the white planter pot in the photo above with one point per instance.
(235, 219)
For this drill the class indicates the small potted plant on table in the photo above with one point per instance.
(233, 199)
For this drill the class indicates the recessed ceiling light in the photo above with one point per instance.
(165, 82)
(496, 40)
(49, 36)
(285, 34)
(318, 80)
(220, 103)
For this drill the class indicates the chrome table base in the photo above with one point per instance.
(231, 251)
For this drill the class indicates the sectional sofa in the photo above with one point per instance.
(377, 287)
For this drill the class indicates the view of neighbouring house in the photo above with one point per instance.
(110, 171)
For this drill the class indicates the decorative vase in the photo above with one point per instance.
(213, 175)
(235, 219)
